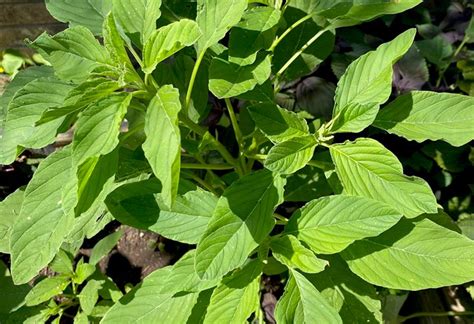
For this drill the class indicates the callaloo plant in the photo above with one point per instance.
(177, 130)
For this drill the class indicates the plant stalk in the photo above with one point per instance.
(192, 80)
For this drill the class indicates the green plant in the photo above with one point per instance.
(146, 153)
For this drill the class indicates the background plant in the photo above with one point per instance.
(229, 173)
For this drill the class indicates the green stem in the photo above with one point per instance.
(204, 184)
(435, 314)
(280, 218)
(298, 53)
(201, 166)
(287, 31)
(192, 80)
(238, 135)
(135, 55)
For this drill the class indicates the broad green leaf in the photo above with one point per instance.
(187, 220)
(24, 110)
(227, 79)
(83, 271)
(289, 251)
(413, 256)
(425, 115)
(13, 296)
(183, 276)
(77, 13)
(242, 219)
(276, 123)
(62, 263)
(365, 10)
(292, 155)
(325, 8)
(437, 50)
(366, 84)
(254, 32)
(79, 98)
(307, 184)
(237, 297)
(137, 18)
(366, 168)
(330, 224)
(73, 53)
(215, 18)
(46, 289)
(148, 303)
(311, 57)
(45, 216)
(89, 295)
(168, 40)
(354, 298)
(162, 146)
(9, 211)
(303, 303)
(104, 246)
(98, 128)
(466, 224)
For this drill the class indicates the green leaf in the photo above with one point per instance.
(149, 303)
(13, 296)
(98, 128)
(77, 13)
(330, 224)
(104, 246)
(295, 40)
(303, 303)
(242, 219)
(425, 115)
(307, 184)
(9, 211)
(354, 298)
(237, 297)
(366, 168)
(89, 296)
(289, 251)
(73, 53)
(292, 155)
(215, 18)
(24, 110)
(45, 216)
(162, 146)
(227, 79)
(62, 263)
(187, 220)
(46, 289)
(437, 50)
(137, 18)
(366, 84)
(83, 271)
(276, 123)
(413, 256)
(254, 32)
(168, 40)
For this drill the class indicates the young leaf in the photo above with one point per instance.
(242, 219)
(366, 168)
(45, 216)
(289, 251)
(354, 298)
(104, 246)
(98, 127)
(168, 40)
(215, 18)
(413, 256)
(148, 303)
(77, 13)
(24, 110)
(9, 211)
(236, 298)
(227, 79)
(330, 224)
(73, 53)
(46, 289)
(366, 84)
(290, 156)
(256, 31)
(62, 263)
(276, 123)
(303, 303)
(89, 295)
(162, 146)
(187, 220)
(425, 115)
(137, 18)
